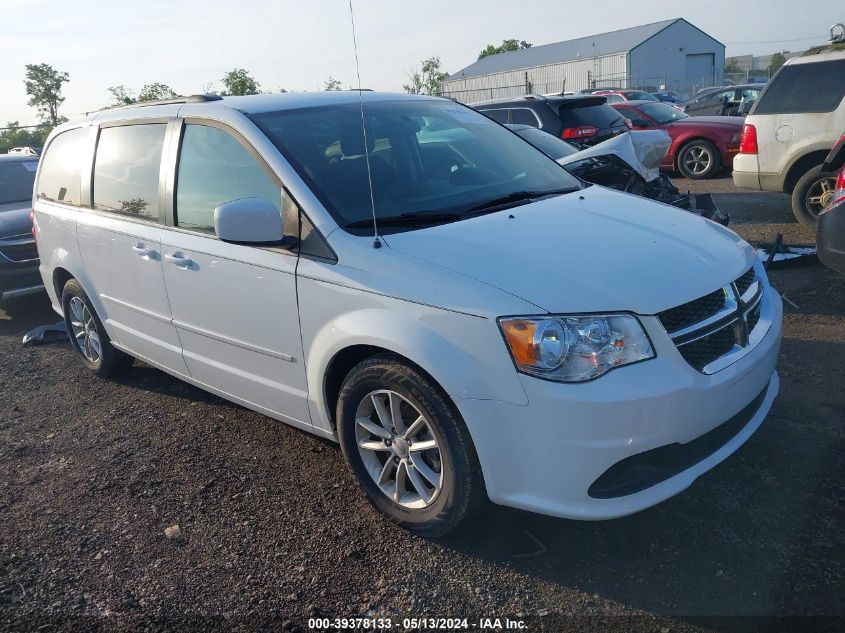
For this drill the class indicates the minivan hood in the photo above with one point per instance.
(589, 251)
(14, 218)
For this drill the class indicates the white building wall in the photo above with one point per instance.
(546, 79)
(662, 59)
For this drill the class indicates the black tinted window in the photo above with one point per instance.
(524, 116)
(551, 146)
(798, 88)
(499, 115)
(601, 116)
(215, 168)
(60, 177)
(16, 179)
(126, 169)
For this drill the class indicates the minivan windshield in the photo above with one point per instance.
(430, 161)
(16, 180)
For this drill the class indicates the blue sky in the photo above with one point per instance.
(297, 44)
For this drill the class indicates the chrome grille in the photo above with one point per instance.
(713, 326)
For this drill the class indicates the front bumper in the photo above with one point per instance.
(545, 456)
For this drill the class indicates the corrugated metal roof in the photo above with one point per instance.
(620, 41)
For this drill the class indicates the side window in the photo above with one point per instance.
(808, 87)
(126, 170)
(215, 168)
(500, 115)
(60, 179)
(524, 116)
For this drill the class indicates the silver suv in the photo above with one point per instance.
(791, 128)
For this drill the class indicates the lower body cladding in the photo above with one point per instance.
(627, 440)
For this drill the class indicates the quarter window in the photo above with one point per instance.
(126, 170)
(215, 168)
(60, 177)
(800, 88)
(524, 116)
(498, 114)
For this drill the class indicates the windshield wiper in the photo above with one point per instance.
(519, 197)
(415, 218)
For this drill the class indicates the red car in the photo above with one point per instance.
(701, 145)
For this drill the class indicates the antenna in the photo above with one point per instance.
(376, 240)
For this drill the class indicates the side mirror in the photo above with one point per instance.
(248, 221)
(639, 123)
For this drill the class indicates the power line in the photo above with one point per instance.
(797, 39)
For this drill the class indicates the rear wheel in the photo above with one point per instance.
(407, 445)
(812, 193)
(88, 336)
(699, 159)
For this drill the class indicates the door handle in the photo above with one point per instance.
(179, 260)
(143, 251)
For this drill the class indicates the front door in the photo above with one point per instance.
(234, 306)
(120, 242)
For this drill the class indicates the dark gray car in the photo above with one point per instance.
(18, 254)
(724, 101)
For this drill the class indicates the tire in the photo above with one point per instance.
(87, 334)
(699, 159)
(397, 385)
(812, 192)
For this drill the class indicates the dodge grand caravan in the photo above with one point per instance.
(511, 334)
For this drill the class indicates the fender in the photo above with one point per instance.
(457, 350)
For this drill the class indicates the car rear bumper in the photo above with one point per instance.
(745, 172)
(626, 441)
(20, 281)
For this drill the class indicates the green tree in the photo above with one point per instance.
(44, 88)
(239, 82)
(156, 92)
(13, 135)
(332, 84)
(505, 47)
(428, 81)
(778, 60)
(121, 95)
(732, 68)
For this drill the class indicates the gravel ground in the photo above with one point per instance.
(273, 529)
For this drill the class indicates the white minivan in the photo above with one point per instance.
(511, 333)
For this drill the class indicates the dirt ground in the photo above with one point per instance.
(274, 529)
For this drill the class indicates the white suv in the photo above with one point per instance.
(792, 126)
(511, 333)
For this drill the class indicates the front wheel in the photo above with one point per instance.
(812, 193)
(699, 159)
(407, 445)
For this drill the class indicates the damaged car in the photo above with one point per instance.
(628, 162)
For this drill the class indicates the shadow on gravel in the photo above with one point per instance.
(746, 539)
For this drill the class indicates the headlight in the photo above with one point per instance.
(575, 348)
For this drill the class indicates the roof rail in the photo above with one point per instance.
(198, 98)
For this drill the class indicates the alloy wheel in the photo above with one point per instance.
(84, 328)
(697, 160)
(819, 195)
(399, 448)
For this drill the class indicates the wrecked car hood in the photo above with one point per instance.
(643, 150)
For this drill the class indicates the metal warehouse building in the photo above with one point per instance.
(673, 53)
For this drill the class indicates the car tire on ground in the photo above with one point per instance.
(88, 336)
(408, 446)
(812, 193)
(699, 159)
